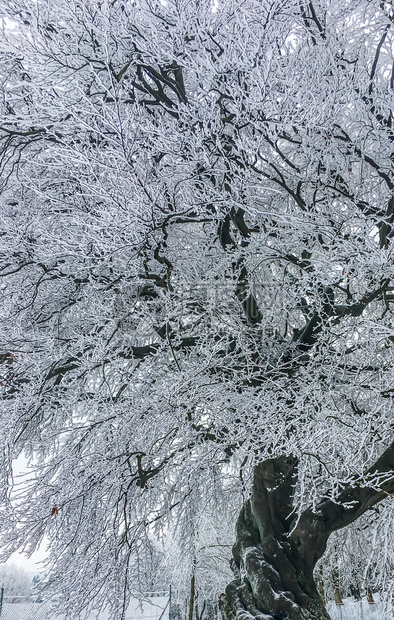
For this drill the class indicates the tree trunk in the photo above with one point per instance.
(370, 598)
(192, 593)
(272, 579)
(337, 592)
(274, 556)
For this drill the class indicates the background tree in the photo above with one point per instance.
(195, 584)
(16, 582)
(197, 285)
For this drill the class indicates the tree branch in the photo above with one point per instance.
(315, 526)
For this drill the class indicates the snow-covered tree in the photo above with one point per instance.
(16, 583)
(197, 288)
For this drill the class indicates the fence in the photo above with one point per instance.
(24, 611)
(155, 606)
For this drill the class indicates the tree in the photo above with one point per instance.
(16, 583)
(197, 280)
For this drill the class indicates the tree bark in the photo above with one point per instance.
(274, 556)
(192, 594)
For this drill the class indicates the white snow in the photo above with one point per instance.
(357, 610)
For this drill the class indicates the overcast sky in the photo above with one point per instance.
(32, 564)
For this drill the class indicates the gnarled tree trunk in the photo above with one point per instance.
(274, 558)
(273, 578)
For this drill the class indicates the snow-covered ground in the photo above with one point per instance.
(156, 608)
(357, 610)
